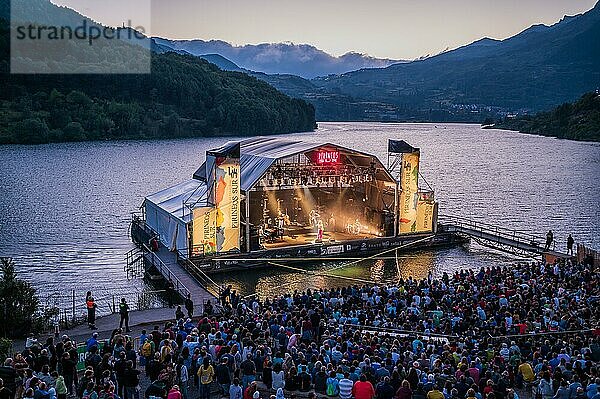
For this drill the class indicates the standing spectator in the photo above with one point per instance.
(346, 385)
(384, 389)
(435, 393)
(404, 392)
(68, 371)
(304, 379)
(189, 306)
(183, 377)
(333, 386)
(363, 389)
(235, 390)
(174, 393)
(206, 374)
(61, 388)
(549, 240)
(248, 369)
(570, 242)
(5, 393)
(8, 374)
(545, 386)
(278, 377)
(124, 312)
(223, 376)
(131, 380)
(91, 306)
(170, 288)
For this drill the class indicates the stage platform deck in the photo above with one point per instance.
(310, 238)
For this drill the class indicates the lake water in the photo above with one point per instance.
(65, 208)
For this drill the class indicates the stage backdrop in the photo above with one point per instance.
(409, 183)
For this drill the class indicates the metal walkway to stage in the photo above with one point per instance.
(186, 277)
(500, 238)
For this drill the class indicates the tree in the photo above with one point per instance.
(19, 309)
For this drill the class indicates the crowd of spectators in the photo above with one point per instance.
(487, 334)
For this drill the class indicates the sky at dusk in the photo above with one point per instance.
(398, 29)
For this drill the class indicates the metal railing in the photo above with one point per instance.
(475, 227)
(69, 309)
(160, 266)
(140, 232)
(199, 275)
(134, 263)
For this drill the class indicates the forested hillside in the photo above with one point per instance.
(576, 121)
(184, 96)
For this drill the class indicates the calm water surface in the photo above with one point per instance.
(65, 208)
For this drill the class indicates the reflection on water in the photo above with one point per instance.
(275, 280)
(65, 208)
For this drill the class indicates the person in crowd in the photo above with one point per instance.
(124, 315)
(235, 390)
(570, 243)
(91, 306)
(189, 306)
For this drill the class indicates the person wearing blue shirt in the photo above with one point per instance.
(92, 341)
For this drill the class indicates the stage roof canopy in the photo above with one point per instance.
(258, 154)
(172, 199)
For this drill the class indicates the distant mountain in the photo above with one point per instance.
(537, 69)
(281, 58)
(575, 121)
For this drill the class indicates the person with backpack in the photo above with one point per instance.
(206, 374)
(124, 312)
(333, 385)
(147, 351)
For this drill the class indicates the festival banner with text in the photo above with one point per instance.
(204, 236)
(409, 183)
(227, 204)
(425, 209)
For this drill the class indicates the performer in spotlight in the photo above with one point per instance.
(331, 223)
(320, 230)
(312, 217)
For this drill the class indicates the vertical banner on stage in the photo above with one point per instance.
(223, 180)
(425, 209)
(409, 197)
(227, 202)
(204, 236)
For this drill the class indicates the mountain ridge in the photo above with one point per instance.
(303, 60)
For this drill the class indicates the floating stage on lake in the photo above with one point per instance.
(262, 200)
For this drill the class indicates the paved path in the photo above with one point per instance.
(138, 320)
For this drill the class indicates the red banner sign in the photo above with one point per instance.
(327, 157)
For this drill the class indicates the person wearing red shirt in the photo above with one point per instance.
(363, 389)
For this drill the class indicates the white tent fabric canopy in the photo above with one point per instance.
(167, 214)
